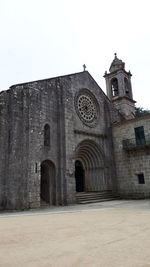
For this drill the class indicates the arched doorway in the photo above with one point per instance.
(79, 176)
(48, 185)
(91, 167)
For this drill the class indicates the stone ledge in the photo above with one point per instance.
(89, 133)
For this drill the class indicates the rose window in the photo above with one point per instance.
(87, 108)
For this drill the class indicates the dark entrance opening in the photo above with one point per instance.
(48, 182)
(79, 176)
(45, 182)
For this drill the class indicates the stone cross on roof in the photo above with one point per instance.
(115, 54)
(84, 67)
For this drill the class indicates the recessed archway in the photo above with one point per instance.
(91, 159)
(48, 184)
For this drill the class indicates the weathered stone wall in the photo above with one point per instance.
(14, 143)
(25, 109)
(125, 106)
(76, 132)
(132, 162)
(45, 107)
(4, 148)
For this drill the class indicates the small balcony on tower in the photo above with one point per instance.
(136, 143)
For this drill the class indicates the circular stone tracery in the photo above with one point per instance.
(87, 108)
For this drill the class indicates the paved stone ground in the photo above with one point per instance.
(114, 233)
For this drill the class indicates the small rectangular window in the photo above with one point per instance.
(141, 179)
(46, 135)
(36, 168)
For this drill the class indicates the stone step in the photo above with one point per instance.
(44, 203)
(93, 193)
(93, 197)
(97, 200)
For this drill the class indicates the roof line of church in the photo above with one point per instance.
(99, 87)
(145, 116)
(57, 77)
(47, 79)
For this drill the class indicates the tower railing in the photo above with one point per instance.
(132, 143)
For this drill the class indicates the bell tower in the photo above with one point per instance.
(119, 88)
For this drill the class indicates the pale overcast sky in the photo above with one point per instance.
(46, 38)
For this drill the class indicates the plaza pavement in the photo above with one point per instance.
(114, 233)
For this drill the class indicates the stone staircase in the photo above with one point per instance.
(44, 204)
(93, 197)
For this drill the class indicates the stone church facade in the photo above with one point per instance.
(63, 135)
